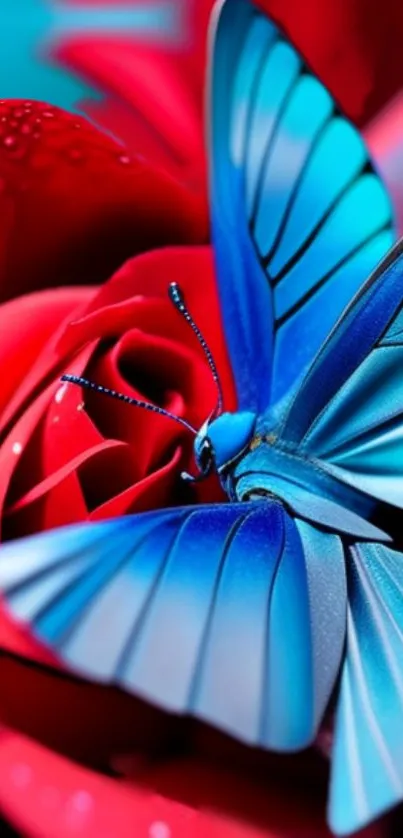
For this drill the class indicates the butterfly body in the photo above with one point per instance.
(253, 462)
(252, 614)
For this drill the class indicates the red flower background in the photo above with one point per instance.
(93, 233)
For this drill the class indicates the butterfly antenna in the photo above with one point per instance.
(90, 385)
(176, 297)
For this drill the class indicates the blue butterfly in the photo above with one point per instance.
(255, 614)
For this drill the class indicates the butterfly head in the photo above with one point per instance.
(221, 441)
(222, 438)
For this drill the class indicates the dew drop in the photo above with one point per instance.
(78, 809)
(10, 142)
(60, 393)
(77, 125)
(124, 159)
(76, 155)
(48, 114)
(18, 113)
(159, 829)
(25, 128)
(82, 801)
(28, 104)
(17, 448)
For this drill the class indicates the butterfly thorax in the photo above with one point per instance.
(268, 466)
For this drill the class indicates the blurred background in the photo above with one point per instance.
(103, 57)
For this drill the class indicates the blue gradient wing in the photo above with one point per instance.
(349, 410)
(232, 613)
(299, 216)
(367, 764)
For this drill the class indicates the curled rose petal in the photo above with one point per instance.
(26, 325)
(58, 464)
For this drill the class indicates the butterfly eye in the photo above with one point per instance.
(205, 456)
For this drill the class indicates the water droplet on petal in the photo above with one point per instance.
(60, 393)
(18, 113)
(25, 128)
(159, 829)
(77, 125)
(124, 159)
(82, 801)
(76, 155)
(10, 142)
(78, 809)
(17, 448)
(28, 104)
(48, 114)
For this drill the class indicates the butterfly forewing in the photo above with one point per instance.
(300, 217)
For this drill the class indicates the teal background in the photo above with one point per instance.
(29, 29)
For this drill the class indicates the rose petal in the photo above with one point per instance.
(47, 366)
(150, 274)
(26, 325)
(18, 640)
(85, 721)
(155, 84)
(74, 205)
(66, 429)
(43, 794)
(156, 369)
(154, 491)
(58, 477)
(23, 427)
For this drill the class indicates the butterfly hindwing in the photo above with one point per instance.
(348, 412)
(299, 216)
(217, 611)
(368, 754)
